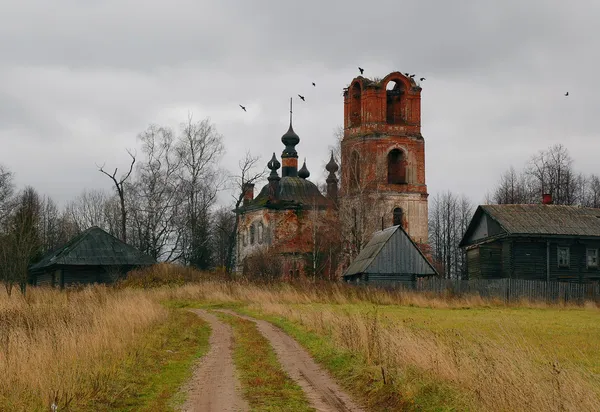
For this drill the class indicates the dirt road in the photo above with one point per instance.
(214, 386)
(324, 394)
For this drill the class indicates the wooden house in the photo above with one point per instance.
(535, 242)
(93, 256)
(390, 257)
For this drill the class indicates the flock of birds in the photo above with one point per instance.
(410, 76)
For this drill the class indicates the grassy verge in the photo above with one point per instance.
(152, 375)
(407, 390)
(265, 385)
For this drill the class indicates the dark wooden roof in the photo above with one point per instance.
(539, 220)
(94, 247)
(391, 251)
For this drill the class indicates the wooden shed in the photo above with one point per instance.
(390, 257)
(534, 242)
(94, 256)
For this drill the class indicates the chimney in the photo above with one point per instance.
(547, 198)
(248, 193)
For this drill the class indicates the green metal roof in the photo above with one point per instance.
(94, 247)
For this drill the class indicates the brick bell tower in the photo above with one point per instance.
(383, 157)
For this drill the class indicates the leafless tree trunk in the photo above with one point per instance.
(199, 148)
(119, 186)
(21, 244)
(156, 198)
(449, 217)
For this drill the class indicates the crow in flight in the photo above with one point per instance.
(422, 78)
(411, 76)
(567, 93)
(301, 97)
(243, 108)
(406, 74)
(314, 84)
(361, 70)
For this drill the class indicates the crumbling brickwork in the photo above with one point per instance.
(382, 135)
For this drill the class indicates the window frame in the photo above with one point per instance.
(587, 258)
(568, 256)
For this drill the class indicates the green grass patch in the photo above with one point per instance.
(407, 390)
(568, 335)
(151, 377)
(265, 385)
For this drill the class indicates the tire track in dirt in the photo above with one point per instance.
(323, 393)
(214, 386)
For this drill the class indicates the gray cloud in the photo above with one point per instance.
(79, 80)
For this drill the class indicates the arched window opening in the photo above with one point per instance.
(355, 94)
(260, 232)
(252, 230)
(395, 95)
(396, 167)
(397, 220)
(354, 170)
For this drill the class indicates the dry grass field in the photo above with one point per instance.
(452, 354)
(93, 349)
(390, 349)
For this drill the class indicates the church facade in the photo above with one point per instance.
(382, 184)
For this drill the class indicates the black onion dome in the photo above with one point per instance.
(274, 163)
(303, 172)
(290, 139)
(332, 166)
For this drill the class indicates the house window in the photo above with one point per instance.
(592, 258)
(563, 257)
(252, 234)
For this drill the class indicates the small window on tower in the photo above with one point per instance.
(394, 102)
(252, 230)
(397, 217)
(396, 167)
(355, 94)
(355, 170)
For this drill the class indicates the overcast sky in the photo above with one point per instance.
(80, 79)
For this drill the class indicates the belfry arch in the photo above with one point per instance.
(395, 102)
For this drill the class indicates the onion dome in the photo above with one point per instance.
(273, 166)
(303, 172)
(332, 166)
(290, 139)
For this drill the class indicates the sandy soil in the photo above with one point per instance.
(321, 390)
(214, 386)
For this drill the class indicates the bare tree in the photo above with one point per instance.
(155, 196)
(247, 174)
(223, 235)
(6, 192)
(120, 187)
(89, 209)
(21, 245)
(591, 192)
(199, 148)
(449, 217)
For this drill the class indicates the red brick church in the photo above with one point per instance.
(382, 184)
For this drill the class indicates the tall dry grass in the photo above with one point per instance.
(65, 347)
(505, 372)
